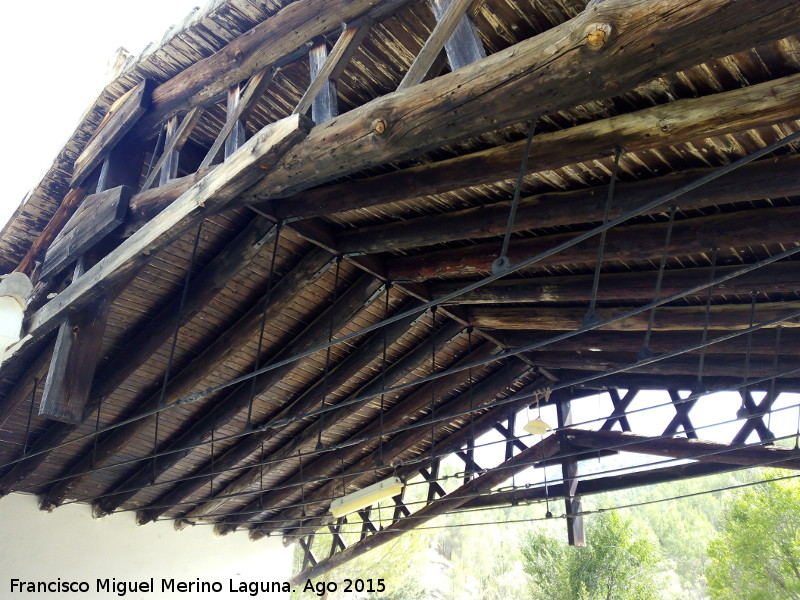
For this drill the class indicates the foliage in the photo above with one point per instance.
(756, 556)
(620, 563)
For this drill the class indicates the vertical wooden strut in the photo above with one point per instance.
(324, 106)
(569, 470)
(463, 47)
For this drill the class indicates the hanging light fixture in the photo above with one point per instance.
(383, 490)
(537, 427)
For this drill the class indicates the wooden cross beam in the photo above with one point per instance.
(620, 407)
(755, 417)
(309, 560)
(681, 419)
(172, 147)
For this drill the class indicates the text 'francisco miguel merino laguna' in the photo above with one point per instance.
(122, 588)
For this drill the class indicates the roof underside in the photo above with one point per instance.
(427, 223)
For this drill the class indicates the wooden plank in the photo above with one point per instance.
(464, 46)
(237, 110)
(97, 216)
(146, 205)
(272, 42)
(210, 195)
(325, 67)
(768, 178)
(173, 145)
(237, 135)
(663, 125)
(777, 278)
(445, 26)
(75, 356)
(119, 120)
(729, 317)
(632, 242)
(576, 535)
(325, 103)
(65, 210)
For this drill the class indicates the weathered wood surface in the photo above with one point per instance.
(151, 336)
(777, 278)
(147, 204)
(65, 210)
(324, 67)
(464, 46)
(481, 484)
(208, 196)
(445, 26)
(667, 318)
(761, 342)
(183, 382)
(771, 178)
(632, 242)
(96, 217)
(552, 71)
(174, 144)
(119, 120)
(340, 314)
(270, 43)
(678, 447)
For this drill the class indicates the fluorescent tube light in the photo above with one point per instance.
(367, 496)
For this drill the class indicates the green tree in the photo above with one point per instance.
(620, 562)
(757, 554)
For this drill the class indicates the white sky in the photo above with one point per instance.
(53, 59)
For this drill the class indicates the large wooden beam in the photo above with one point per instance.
(624, 242)
(694, 449)
(338, 315)
(663, 125)
(119, 120)
(186, 380)
(761, 342)
(274, 41)
(776, 278)
(481, 484)
(770, 178)
(208, 196)
(714, 365)
(667, 318)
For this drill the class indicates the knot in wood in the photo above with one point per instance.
(597, 35)
(379, 126)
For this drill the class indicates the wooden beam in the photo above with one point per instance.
(445, 26)
(186, 380)
(464, 46)
(341, 312)
(173, 144)
(96, 217)
(210, 195)
(119, 120)
(694, 449)
(776, 278)
(762, 343)
(272, 42)
(673, 123)
(769, 178)
(714, 365)
(147, 204)
(151, 336)
(361, 473)
(324, 68)
(729, 317)
(65, 210)
(569, 473)
(483, 483)
(727, 232)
